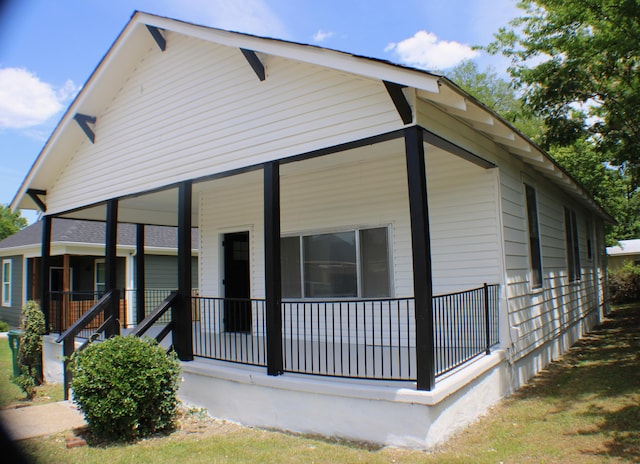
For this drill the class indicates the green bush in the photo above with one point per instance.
(4, 327)
(30, 351)
(624, 284)
(126, 387)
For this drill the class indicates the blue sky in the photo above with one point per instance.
(48, 49)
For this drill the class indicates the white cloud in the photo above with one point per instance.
(424, 50)
(250, 16)
(26, 101)
(321, 35)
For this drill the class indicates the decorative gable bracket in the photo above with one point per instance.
(158, 37)
(400, 101)
(254, 62)
(35, 196)
(83, 121)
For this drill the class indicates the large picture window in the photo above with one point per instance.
(573, 247)
(346, 264)
(534, 236)
(6, 282)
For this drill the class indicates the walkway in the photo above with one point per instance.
(40, 420)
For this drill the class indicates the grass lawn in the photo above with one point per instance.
(11, 394)
(584, 408)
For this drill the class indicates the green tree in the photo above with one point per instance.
(577, 63)
(498, 94)
(10, 223)
(609, 186)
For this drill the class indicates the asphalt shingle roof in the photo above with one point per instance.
(78, 231)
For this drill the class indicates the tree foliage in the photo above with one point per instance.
(578, 63)
(498, 94)
(10, 223)
(609, 186)
(30, 351)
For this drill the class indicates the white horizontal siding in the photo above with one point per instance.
(198, 109)
(539, 316)
(354, 194)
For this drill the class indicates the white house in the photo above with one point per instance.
(382, 257)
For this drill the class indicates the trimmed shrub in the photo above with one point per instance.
(30, 351)
(4, 327)
(126, 387)
(624, 284)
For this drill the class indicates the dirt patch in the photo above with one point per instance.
(197, 422)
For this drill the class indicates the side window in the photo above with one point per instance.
(99, 276)
(534, 237)
(572, 244)
(6, 282)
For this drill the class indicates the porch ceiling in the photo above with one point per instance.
(155, 208)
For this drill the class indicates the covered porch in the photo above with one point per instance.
(375, 309)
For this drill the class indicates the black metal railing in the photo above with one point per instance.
(101, 321)
(465, 326)
(230, 329)
(370, 339)
(159, 322)
(67, 307)
(152, 298)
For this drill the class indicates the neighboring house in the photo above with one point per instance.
(77, 251)
(350, 213)
(625, 251)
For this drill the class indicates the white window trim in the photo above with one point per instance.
(6, 295)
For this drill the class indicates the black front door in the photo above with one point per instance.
(237, 306)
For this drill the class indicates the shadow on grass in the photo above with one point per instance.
(623, 426)
(602, 373)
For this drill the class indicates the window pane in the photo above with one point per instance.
(330, 265)
(374, 262)
(573, 249)
(290, 262)
(6, 283)
(100, 277)
(534, 237)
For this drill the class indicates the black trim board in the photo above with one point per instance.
(83, 121)
(437, 141)
(34, 195)
(158, 37)
(400, 101)
(254, 62)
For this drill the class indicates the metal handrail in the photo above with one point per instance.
(156, 314)
(87, 317)
(68, 338)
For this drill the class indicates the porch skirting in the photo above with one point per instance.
(388, 413)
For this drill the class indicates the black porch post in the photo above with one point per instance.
(421, 247)
(273, 289)
(110, 265)
(181, 312)
(44, 272)
(140, 271)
